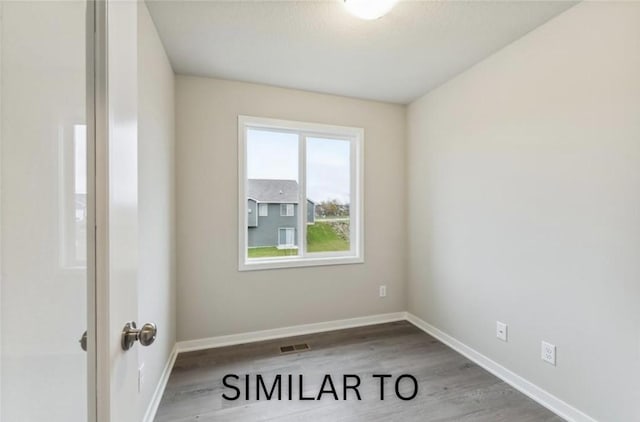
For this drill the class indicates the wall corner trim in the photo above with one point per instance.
(544, 398)
(295, 330)
(150, 414)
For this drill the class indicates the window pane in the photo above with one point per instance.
(287, 210)
(272, 183)
(328, 195)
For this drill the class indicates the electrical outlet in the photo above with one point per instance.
(501, 330)
(140, 378)
(549, 353)
(383, 291)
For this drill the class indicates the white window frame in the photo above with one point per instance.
(287, 207)
(304, 130)
(262, 206)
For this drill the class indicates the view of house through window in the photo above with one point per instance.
(273, 189)
(299, 194)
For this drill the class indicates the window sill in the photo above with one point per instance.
(281, 263)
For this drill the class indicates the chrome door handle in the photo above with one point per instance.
(145, 335)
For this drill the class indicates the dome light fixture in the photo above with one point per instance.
(369, 9)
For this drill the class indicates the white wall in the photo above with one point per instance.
(524, 207)
(213, 297)
(156, 209)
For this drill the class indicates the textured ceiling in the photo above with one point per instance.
(318, 46)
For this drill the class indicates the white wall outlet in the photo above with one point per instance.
(383, 291)
(140, 378)
(549, 353)
(501, 330)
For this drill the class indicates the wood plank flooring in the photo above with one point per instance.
(451, 388)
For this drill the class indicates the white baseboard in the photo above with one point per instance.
(526, 387)
(296, 330)
(152, 409)
(529, 389)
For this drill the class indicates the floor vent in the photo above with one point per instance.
(302, 347)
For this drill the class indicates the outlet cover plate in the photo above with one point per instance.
(501, 330)
(549, 353)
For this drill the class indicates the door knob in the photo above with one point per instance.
(146, 335)
(83, 341)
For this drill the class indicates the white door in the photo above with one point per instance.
(45, 374)
(68, 210)
(116, 208)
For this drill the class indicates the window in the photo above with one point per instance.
(263, 210)
(286, 210)
(286, 237)
(314, 174)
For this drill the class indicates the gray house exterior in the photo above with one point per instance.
(272, 207)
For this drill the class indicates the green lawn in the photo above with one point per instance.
(321, 237)
(271, 251)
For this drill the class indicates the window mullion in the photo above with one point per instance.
(302, 201)
(354, 199)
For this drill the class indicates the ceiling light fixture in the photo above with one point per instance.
(369, 9)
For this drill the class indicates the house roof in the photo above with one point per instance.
(273, 191)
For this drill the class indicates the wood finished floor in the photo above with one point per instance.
(451, 387)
